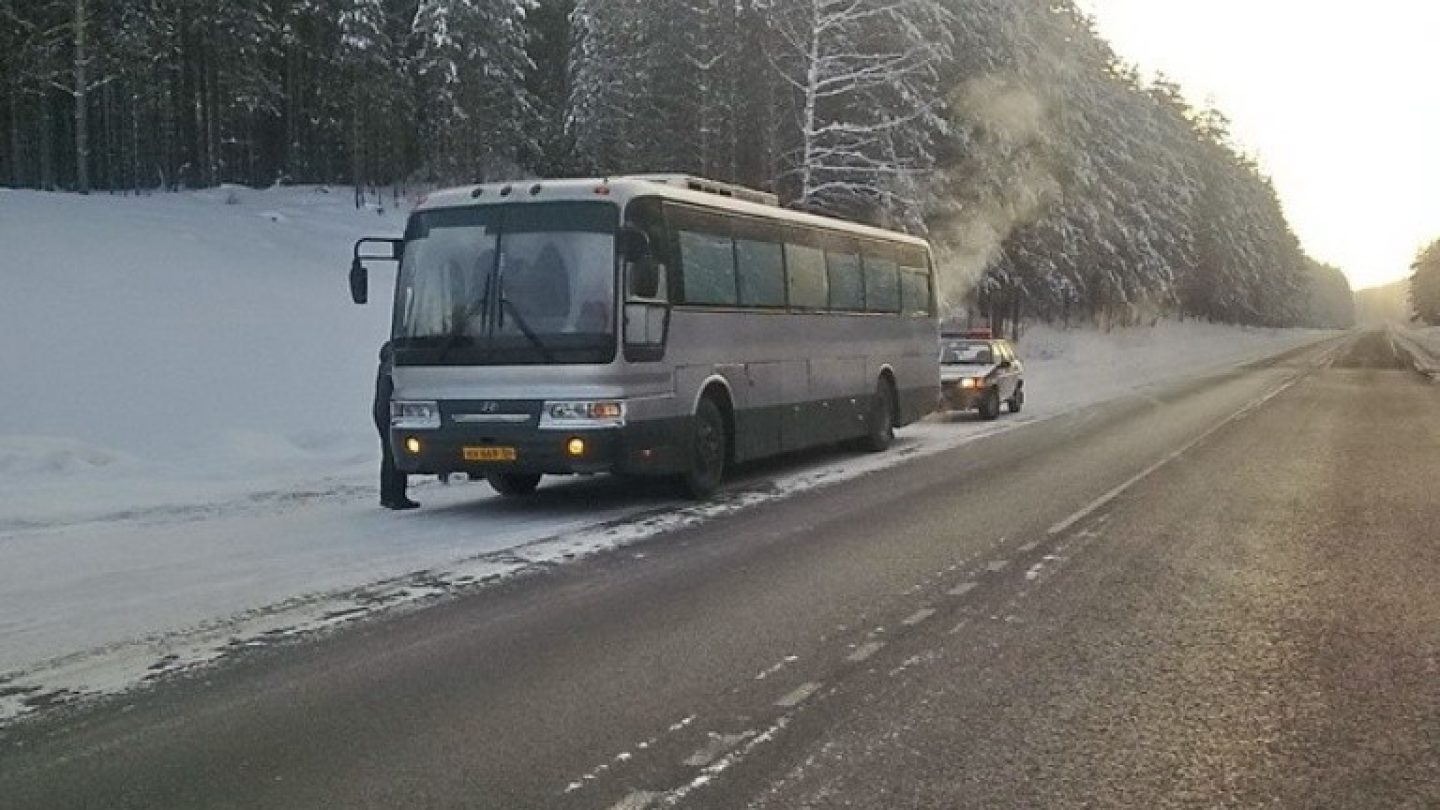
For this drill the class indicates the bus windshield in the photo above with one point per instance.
(518, 283)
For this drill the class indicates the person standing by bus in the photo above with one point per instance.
(392, 482)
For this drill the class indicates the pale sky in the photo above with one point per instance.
(1339, 100)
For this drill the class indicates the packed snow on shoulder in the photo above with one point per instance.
(1422, 344)
(172, 351)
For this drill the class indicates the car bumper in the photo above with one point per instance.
(955, 398)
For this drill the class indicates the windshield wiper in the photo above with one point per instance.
(458, 330)
(506, 303)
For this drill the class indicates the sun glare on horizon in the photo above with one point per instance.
(1339, 103)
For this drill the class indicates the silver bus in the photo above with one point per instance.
(656, 325)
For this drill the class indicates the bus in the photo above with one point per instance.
(658, 325)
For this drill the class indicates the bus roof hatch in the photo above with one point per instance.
(710, 187)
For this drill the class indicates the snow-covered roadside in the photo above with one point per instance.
(176, 352)
(157, 597)
(186, 464)
(1423, 345)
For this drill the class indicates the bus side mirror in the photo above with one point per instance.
(641, 267)
(359, 282)
(633, 244)
(644, 278)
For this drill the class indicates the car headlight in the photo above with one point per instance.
(581, 415)
(409, 415)
(973, 382)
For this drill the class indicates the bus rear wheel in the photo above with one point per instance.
(513, 485)
(881, 421)
(707, 452)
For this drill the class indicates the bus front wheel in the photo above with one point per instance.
(707, 451)
(513, 484)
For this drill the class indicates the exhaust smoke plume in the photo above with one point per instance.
(1003, 182)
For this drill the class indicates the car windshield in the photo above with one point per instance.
(522, 283)
(966, 353)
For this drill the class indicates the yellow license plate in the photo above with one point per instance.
(489, 453)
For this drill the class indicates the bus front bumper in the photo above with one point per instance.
(649, 448)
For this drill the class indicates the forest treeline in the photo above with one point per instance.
(1054, 181)
(1425, 285)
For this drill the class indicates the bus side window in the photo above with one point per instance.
(759, 263)
(809, 286)
(914, 292)
(707, 257)
(847, 281)
(882, 284)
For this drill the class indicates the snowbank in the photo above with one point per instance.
(171, 350)
(1424, 347)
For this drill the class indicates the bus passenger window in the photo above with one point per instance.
(708, 264)
(805, 269)
(847, 283)
(914, 291)
(882, 285)
(761, 267)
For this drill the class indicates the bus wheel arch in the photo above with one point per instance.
(712, 441)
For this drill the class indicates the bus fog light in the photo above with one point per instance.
(575, 447)
(412, 446)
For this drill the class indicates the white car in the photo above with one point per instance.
(980, 373)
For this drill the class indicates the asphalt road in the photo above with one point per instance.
(1218, 594)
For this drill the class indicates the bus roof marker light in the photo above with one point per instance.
(505, 192)
(477, 192)
(535, 189)
(603, 191)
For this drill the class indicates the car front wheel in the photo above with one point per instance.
(990, 405)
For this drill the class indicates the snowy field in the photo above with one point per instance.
(187, 463)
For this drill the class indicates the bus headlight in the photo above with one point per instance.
(408, 415)
(582, 415)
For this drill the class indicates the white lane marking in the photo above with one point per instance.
(801, 694)
(779, 665)
(638, 800)
(997, 566)
(864, 651)
(962, 589)
(959, 626)
(1101, 501)
(1029, 547)
(918, 617)
(718, 744)
(714, 769)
